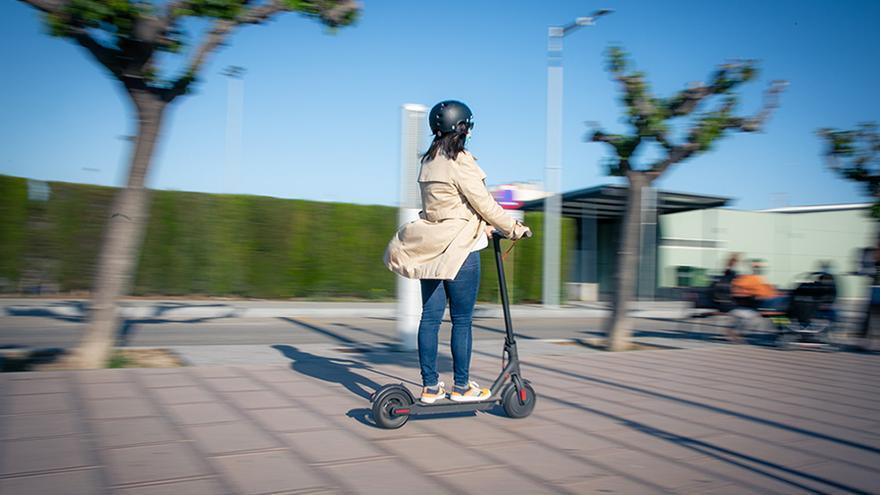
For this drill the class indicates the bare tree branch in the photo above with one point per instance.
(771, 103)
(222, 28)
(726, 77)
(676, 154)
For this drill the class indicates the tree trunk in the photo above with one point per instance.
(123, 236)
(618, 327)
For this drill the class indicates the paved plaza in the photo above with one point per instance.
(713, 419)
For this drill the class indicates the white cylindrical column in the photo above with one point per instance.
(553, 171)
(409, 300)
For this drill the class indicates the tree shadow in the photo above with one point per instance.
(374, 353)
(699, 405)
(329, 369)
(77, 311)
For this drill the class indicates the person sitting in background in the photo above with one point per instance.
(825, 291)
(754, 292)
(721, 287)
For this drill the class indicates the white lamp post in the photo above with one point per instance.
(553, 166)
(409, 300)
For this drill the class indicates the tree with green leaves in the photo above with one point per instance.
(682, 126)
(855, 155)
(127, 38)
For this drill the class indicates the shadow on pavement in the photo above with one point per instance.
(127, 328)
(329, 369)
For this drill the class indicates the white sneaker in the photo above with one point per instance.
(429, 397)
(473, 393)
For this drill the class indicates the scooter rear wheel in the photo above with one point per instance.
(510, 400)
(386, 403)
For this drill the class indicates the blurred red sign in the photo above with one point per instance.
(505, 198)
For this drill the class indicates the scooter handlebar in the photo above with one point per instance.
(498, 235)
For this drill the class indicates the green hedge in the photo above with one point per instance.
(228, 245)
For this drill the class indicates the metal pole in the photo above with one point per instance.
(409, 300)
(553, 165)
(553, 169)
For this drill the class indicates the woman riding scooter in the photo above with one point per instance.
(441, 249)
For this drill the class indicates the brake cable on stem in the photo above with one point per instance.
(504, 258)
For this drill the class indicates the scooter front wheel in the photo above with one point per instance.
(384, 405)
(518, 403)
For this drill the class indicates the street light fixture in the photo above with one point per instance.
(553, 165)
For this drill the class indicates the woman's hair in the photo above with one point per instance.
(449, 144)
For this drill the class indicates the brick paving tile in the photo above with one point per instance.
(257, 399)
(45, 386)
(191, 487)
(114, 390)
(230, 437)
(232, 384)
(569, 438)
(276, 375)
(179, 379)
(201, 413)
(308, 388)
(26, 404)
(132, 431)
(784, 455)
(27, 375)
(386, 476)
(330, 445)
(290, 419)
(847, 475)
(183, 395)
(619, 485)
(268, 472)
(674, 475)
(496, 481)
(141, 464)
(471, 430)
(120, 408)
(216, 372)
(103, 376)
(24, 456)
(40, 425)
(546, 462)
(433, 454)
(840, 452)
(83, 482)
(674, 426)
(755, 478)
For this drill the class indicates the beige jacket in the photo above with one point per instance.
(456, 209)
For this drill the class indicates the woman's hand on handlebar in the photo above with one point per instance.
(520, 231)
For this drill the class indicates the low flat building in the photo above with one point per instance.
(794, 241)
(686, 238)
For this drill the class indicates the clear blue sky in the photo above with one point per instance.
(321, 111)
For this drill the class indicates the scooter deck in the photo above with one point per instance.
(444, 406)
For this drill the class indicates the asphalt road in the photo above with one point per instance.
(44, 331)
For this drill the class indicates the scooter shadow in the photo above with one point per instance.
(343, 372)
(364, 416)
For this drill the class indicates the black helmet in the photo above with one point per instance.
(446, 115)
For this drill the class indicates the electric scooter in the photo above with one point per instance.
(394, 404)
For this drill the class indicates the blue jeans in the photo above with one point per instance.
(462, 295)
